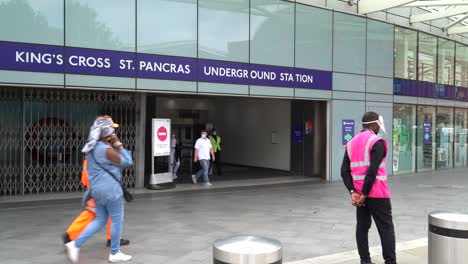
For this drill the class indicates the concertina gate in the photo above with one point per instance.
(42, 132)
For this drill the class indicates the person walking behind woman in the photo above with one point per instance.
(104, 163)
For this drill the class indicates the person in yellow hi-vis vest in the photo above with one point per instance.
(87, 216)
(216, 143)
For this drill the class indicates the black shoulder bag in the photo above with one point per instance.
(127, 195)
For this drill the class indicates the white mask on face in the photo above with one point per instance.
(379, 122)
(214, 133)
(203, 135)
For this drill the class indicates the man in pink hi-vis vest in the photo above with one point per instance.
(364, 174)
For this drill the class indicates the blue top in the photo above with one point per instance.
(104, 188)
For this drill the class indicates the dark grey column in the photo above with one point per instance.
(140, 140)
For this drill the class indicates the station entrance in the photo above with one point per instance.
(259, 137)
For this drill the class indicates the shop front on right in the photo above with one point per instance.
(427, 138)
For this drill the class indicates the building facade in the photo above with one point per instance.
(284, 82)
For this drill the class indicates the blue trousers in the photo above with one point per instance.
(205, 164)
(115, 210)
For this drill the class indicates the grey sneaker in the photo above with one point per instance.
(194, 179)
(208, 184)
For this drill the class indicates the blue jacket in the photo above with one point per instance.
(103, 187)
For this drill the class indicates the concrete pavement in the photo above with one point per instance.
(311, 219)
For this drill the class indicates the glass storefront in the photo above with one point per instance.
(444, 138)
(429, 66)
(426, 146)
(429, 137)
(461, 134)
(404, 138)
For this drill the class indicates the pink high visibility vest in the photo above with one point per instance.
(359, 149)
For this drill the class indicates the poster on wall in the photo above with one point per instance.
(396, 142)
(427, 137)
(297, 135)
(161, 130)
(347, 130)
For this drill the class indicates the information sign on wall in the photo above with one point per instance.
(427, 135)
(347, 130)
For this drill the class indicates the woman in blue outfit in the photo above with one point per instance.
(106, 158)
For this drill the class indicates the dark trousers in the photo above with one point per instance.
(217, 162)
(381, 211)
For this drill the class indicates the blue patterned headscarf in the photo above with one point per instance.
(102, 127)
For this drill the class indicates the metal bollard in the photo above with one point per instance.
(448, 238)
(247, 250)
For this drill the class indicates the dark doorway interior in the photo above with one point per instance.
(309, 138)
(257, 134)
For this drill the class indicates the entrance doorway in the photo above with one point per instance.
(256, 134)
(309, 138)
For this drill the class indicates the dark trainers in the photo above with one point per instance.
(123, 242)
(66, 238)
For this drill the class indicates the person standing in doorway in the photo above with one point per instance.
(365, 176)
(215, 140)
(203, 150)
(174, 165)
(177, 159)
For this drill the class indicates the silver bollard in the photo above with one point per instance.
(448, 238)
(247, 250)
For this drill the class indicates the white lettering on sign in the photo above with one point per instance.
(263, 75)
(91, 62)
(40, 58)
(164, 67)
(225, 72)
(286, 77)
(304, 78)
(126, 65)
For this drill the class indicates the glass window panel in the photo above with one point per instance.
(272, 32)
(104, 24)
(444, 137)
(313, 38)
(461, 137)
(426, 143)
(405, 53)
(379, 48)
(349, 43)
(404, 138)
(224, 30)
(167, 27)
(427, 58)
(446, 61)
(33, 21)
(461, 65)
(162, 31)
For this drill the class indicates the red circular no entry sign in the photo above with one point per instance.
(161, 133)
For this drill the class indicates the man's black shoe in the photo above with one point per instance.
(123, 242)
(66, 238)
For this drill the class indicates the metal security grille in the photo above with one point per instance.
(10, 141)
(45, 153)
